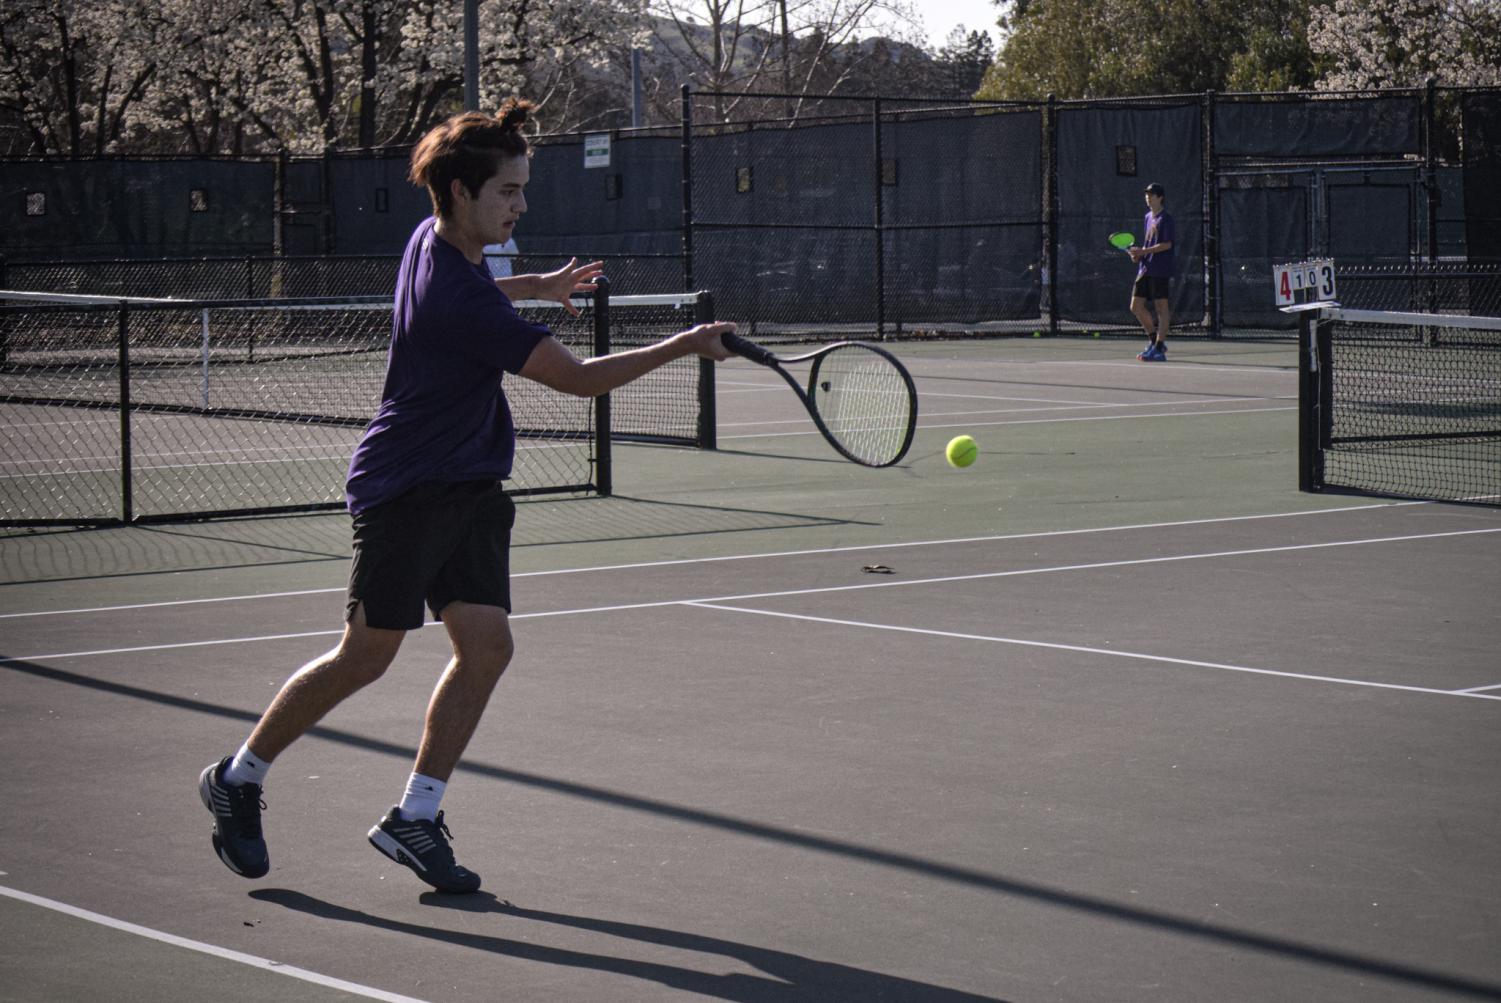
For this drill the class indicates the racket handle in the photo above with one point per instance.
(747, 349)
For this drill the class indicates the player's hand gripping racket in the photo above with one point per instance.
(1121, 240)
(860, 397)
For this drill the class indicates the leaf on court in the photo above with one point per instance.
(877, 569)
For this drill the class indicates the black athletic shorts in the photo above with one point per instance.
(1151, 287)
(437, 542)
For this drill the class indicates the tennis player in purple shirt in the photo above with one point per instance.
(432, 524)
(1154, 273)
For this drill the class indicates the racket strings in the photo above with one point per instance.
(865, 403)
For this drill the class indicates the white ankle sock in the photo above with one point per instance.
(246, 768)
(422, 797)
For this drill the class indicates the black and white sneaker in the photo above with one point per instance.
(423, 846)
(237, 821)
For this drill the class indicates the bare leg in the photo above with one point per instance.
(363, 655)
(1164, 314)
(1143, 315)
(482, 648)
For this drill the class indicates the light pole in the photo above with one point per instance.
(471, 55)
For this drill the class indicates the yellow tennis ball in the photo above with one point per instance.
(961, 451)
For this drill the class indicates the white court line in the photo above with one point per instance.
(1082, 649)
(1480, 689)
(998, 538)
(783, 593)
(213, 950)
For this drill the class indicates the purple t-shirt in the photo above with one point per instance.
(443, 416)
(1158, 228)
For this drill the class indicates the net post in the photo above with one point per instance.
(603, 473)
(1323, 348)
(127, 507)
(708, 419)
(1308, 403)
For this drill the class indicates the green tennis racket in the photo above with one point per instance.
(1121, 240)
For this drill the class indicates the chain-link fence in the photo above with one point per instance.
(272, 277)
(882, 216)
(1472, 288)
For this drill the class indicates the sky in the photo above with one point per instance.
(941, 16)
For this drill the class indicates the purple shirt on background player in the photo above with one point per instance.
(443, 415)
(1158, 228)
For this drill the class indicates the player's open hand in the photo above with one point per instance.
(571, 278)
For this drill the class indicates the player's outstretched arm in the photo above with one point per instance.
(558, 286)
(553, 365)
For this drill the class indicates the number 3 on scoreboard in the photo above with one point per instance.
(1323, 279)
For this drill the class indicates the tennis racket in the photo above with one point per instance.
(860, 397)
(1121, 240)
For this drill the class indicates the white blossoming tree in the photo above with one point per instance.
(1403, 43)
(786, 46)
(73, 76)
(217, 76)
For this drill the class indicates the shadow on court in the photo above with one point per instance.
(811, 980)
(63, 555)
(66, 555)
(792, 978)
(621, 518)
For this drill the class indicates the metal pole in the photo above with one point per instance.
(603, 447)
(687, 188)
(471, 55)
(1308, 401)
(1050, 209)
(875, 118)
(203, 381)
(708, 420)
(127, 506)
(637, 95)
(1430, 185)
(1210, 181)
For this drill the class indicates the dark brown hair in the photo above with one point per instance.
(469, 147)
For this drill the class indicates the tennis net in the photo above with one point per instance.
(1401, 404)
(119, 409)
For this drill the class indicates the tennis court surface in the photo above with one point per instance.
(1114, 714)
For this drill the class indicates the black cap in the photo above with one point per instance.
(1155, 189)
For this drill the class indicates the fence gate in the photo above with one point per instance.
(1356, 215)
